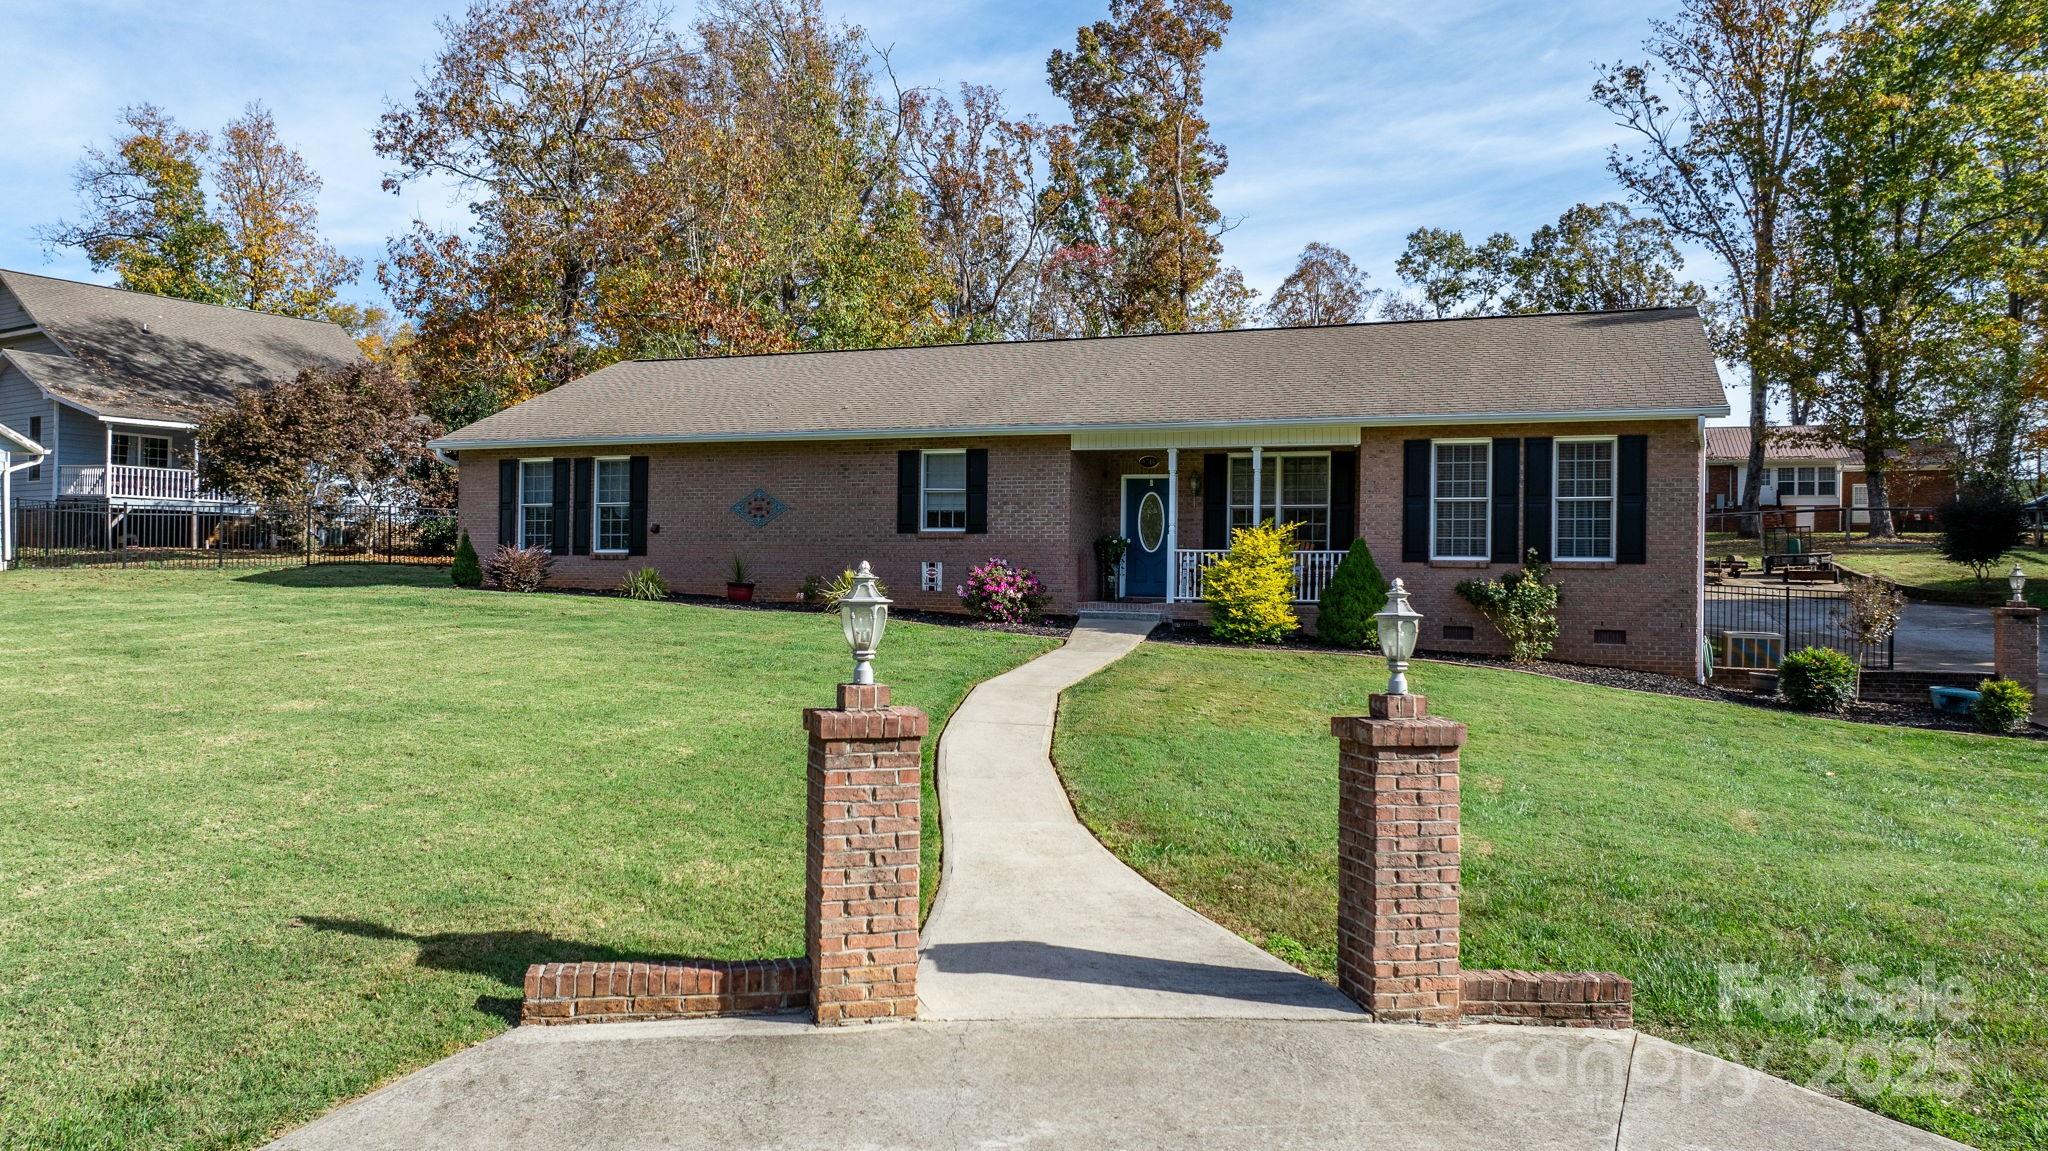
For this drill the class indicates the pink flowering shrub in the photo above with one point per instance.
(1002, 593)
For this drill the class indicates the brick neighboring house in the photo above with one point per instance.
(1814, 480)
(1451, 446)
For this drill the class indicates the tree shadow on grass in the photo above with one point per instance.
(344, 575)
(501, 955)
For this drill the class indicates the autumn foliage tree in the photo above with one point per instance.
(1133, 179)
(328, 436)
(255, 243)
(1596, 257)
(1324, 288)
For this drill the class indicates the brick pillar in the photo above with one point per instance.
(1397, 860)
(2016, 647)
(860, 899)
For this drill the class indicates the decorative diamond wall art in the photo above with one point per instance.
(758, 508)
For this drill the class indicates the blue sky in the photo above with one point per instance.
(1350, 123)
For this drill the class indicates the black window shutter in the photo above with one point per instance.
(636, 506)
(508, 503)
(1632, 508)
(908, 476)
(563, 478)
(1536, 496)
(579, 542)
(1216, 500)
(1507, 500)
(1415, 501)
(1343, 499)
(977, 491)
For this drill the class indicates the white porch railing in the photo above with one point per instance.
(1312, 572)
(125, 481)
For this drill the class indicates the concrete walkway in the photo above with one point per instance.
(1250, 1084)
(1037, 920)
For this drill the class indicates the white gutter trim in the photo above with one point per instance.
(1608, 415)
(142, 423)
(443, 456)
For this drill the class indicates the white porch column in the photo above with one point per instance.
(7, 511)
(1258, 477)
(1172, 523)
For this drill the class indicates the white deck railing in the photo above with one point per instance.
(125, 481)
(1312, 572)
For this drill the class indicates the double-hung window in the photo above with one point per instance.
(35, 432)
(536, 503)
(1806, 481)
(614, 505)
(1461, 487)
(1293, 489)
(140, 451)
(1584, 492)
(943, 500)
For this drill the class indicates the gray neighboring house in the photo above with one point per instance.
(116, 383)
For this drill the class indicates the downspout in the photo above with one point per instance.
(7, 469)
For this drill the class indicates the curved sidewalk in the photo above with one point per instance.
(1037, 920)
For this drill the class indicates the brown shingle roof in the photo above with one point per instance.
(152, 357)
(1639, 362)
(1812, 442)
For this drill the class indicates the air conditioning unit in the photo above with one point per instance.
(1752, 650)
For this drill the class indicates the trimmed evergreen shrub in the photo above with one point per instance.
(1250, 588)
(2003, 705)
(1982, 523)
(1818, 679)
(468, 571)
(1520, 606)
(645, 583)
(1356, 592)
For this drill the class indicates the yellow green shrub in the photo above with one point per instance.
(1250, 589)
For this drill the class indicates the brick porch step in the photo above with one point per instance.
(1101, 610)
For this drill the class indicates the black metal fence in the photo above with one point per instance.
(1798, 617)
(48, 535)
(1840, 523)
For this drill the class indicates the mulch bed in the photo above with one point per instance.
(1861, 711)
(1056, 627)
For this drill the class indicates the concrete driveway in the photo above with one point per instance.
(1171, 1085)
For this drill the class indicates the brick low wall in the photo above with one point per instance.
(1547, 998)
(687, 989)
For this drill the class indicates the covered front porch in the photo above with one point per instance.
(1177, 497)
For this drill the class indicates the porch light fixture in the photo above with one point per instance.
(862, 614)
(2017, 581)
(1400, 625)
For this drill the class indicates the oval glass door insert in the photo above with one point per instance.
(1151, 522)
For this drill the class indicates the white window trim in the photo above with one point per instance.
(1486, 519)
(1275, 495)
(135, 442)
(522, 504)
(924, 490)
(597, 505)
(1613, 498)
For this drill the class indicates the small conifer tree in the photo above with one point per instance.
(1356, 592)
(468, 571)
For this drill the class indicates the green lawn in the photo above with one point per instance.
(271, 839)
(1656, 837)
(1913, 563)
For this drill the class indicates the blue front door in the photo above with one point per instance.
(1145, 527)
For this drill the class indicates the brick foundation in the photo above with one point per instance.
(2016, 647)
(1397, 860)
(861, 891)
(1549, 998)
(684, 989)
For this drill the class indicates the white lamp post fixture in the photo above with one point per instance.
(1400, 625)
(863, 613)
(2017, 581)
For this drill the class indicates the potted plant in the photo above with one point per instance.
(1109, 559)
(739, 587)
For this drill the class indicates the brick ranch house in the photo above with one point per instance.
(1813, 480)
(1451, 446)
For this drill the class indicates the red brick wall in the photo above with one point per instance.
(1048, 504)
(684, 989)
(841, 500)
(1656, 603)
(1549, 998)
